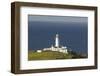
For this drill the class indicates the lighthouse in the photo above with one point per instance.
(56, 47)
(57, 41)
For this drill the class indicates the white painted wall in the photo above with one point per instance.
(5, 42)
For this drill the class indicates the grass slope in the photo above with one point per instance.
(48, 55)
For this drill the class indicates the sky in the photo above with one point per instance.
(62, 19)
(72, 32)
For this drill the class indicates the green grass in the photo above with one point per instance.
(48, 55)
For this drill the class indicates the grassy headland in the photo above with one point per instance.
(52, 55)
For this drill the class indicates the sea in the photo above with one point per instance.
(73, 35)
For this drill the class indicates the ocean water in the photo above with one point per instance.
(73, 35)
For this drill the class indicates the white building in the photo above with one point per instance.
(39, 51)
(57, 47)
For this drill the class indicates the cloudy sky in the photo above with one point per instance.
(57, 19)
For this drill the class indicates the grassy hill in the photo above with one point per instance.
(52, 55)
(48, 55)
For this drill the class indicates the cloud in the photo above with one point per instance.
(63, 19)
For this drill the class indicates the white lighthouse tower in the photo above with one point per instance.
(57, 41)
(56, 47)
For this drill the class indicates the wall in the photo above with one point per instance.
(5, 42)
